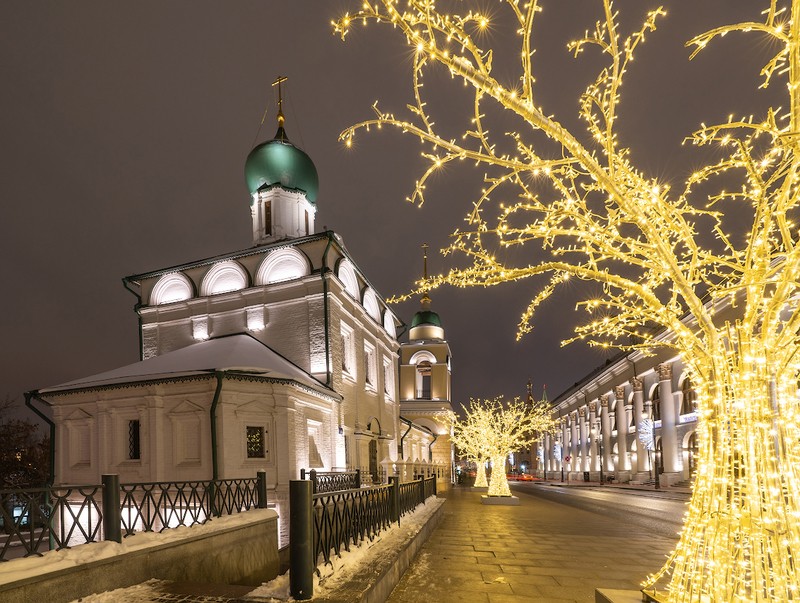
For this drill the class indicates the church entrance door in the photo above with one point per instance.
(373, 460)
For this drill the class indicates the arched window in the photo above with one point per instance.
(223, 278)
(370, 303)
(689, 402)
(347, 275)
(282, 265)
(171, 288)
(424, 380)
(656, 403)
(388, 323)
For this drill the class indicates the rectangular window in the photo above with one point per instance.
(369, 366)
(255, 442)
(388, 378)
(134, 440)
(267, 217)
(348, 351)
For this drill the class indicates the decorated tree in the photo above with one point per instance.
(468, 437)
(495, 429)
(668, 272)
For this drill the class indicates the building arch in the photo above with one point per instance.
(388, 323)
(283, 265)
(224, 277)
(370, 302)
(655, 398)
(347, 274)
(688, 396)
(171, 288)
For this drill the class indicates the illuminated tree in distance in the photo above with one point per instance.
(468, 439)
(728, 301)
(495, 429)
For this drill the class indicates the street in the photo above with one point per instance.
(656, 512)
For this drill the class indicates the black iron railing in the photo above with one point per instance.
(332, 481)
(37, 520)
(156, 506)
(49, 518)
(324, 524)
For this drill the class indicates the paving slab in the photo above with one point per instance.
(536, 551)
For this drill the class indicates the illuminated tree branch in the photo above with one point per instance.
(670, 273)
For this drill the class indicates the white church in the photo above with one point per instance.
(278, 357)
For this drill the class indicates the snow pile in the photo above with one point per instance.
(345, 568)
(51, 561)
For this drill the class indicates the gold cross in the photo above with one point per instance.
(280, 79)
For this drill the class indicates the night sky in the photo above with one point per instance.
(125, 126)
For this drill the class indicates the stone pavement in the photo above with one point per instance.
(537, 551)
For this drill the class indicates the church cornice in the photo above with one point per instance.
(330, 397)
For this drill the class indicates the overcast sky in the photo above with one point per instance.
(125, 126)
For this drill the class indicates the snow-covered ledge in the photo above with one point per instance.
(236, 549)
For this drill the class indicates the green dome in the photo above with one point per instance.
(278, 161)
(426, 317)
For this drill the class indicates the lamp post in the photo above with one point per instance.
(655, 456)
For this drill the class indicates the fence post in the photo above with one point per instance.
(301, 540)
(434, 486)
(421, 498)
(358, 479)
(112, 516)
(313, 474)
(394, 481)
(302, 474)
(261, 489)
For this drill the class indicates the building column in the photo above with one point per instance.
(669, 432)
(584, 434)
(638, 416)
(595, 432)
(605, 423)
(564, 442)
(545, 454)
(573, 443)
(623, 464)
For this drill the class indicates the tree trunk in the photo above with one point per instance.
(498, 484)
(741, 535)
(480, 474)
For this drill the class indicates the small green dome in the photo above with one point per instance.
(426, 317)
(278, 161)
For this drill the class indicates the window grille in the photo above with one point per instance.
(255, 442)
(134, 440)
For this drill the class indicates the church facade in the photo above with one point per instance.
(278, 357)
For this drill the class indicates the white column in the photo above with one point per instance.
(584, 434)
(638, 416)
(623, 464)
(564, 442)
(594, 430)
(573, 444)
(605, 423)
(669, 412)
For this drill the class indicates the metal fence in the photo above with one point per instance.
(54, 518)
(324, 524)
(332, 481)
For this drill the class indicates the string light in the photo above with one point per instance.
(493, 429)
(662, 258)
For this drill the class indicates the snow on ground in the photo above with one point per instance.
(345, 568)
(341, 570)
(18, 569)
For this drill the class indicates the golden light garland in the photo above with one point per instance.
(662, 259)
(493, 429)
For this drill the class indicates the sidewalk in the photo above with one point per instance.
(537, 551)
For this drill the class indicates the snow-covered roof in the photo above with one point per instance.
(239, 354)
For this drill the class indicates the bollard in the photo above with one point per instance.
(261, 490)
(394, 481)
(112, 516)
(301, 540)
